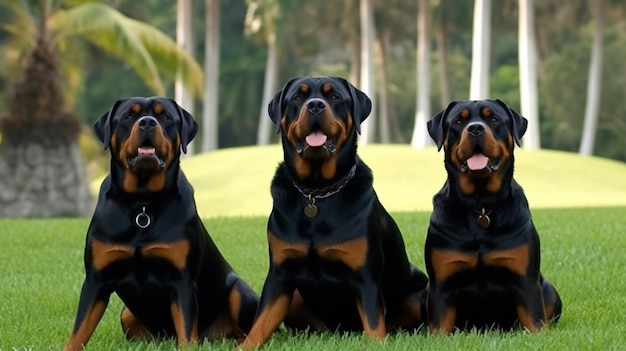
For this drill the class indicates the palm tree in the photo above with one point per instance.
(594, 84)
(212, 66)
(528, 73)
(481, 48)
(41, 168)
(422, 111)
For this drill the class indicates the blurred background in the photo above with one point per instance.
(63, 64)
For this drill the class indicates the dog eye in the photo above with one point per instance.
(458, 121)
(494, 120)
(128, 117)
(334, 97)
(165, 117)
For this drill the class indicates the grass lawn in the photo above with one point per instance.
(578, 204)
(583, 255)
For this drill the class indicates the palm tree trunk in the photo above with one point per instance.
(422, 109)
(481, 47)
(594, 83)
(184, 38)
(528, 74)
(367, 81)
(210, 122)
(41, 169)
(381, 64)
(269, 88)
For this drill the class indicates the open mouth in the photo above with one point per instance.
(146, 158)
(316, 139)
(480, 162)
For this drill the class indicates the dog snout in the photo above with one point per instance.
(316, 106)
(147, 123)
(476, 129)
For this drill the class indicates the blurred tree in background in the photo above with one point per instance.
(41, 168)
(310, 38)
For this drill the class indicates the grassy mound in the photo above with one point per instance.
(236, 181)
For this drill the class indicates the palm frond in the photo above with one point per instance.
(148, 50)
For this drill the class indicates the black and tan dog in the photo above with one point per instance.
(337, 258)
(146, 242)
(482, 249)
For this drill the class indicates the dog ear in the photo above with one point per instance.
(102, 126)
(519, 124)
(361, 104)
(188, 126)
(275, 108)
(437, 125)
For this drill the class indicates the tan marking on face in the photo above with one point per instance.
(486, 112)
(464, 113)
(516, 259)
(326, 88)
(131, 183)
(176, 252)
(281, 250)
(447, 263)
(352, 253)
(106, 253)
(304, 88)
(158, 109)
(135, 108)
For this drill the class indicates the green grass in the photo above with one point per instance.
(582, 249)
(236, 181)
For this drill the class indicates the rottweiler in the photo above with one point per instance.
(482, 249)
(337, 258)
(146, 242)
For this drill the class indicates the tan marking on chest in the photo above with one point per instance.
(281, 250)
(106, 253)
(446, 263)
(353, 253)
(516, 259)
(175, 252)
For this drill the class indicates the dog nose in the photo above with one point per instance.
(147, 123)
(476, 129)
(315, 106)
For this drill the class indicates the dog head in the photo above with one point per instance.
(319, 119)
(145, 136)
(478, 138)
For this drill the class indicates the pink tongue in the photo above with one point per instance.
(145, 150)
(316, 139)
(477, 162)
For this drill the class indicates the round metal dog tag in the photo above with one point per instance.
(484, 221)
(310, 210)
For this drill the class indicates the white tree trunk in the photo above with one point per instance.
(528, 74)
(420, 136)
(594, 83)
(367, 81)
(383, 97)
(184, 38)
(269, 89)
(211, 73)
(481, 48)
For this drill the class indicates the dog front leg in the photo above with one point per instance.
(530, 309)
(91, 306)
(184, 312)
(371, 307)
(273, 308)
